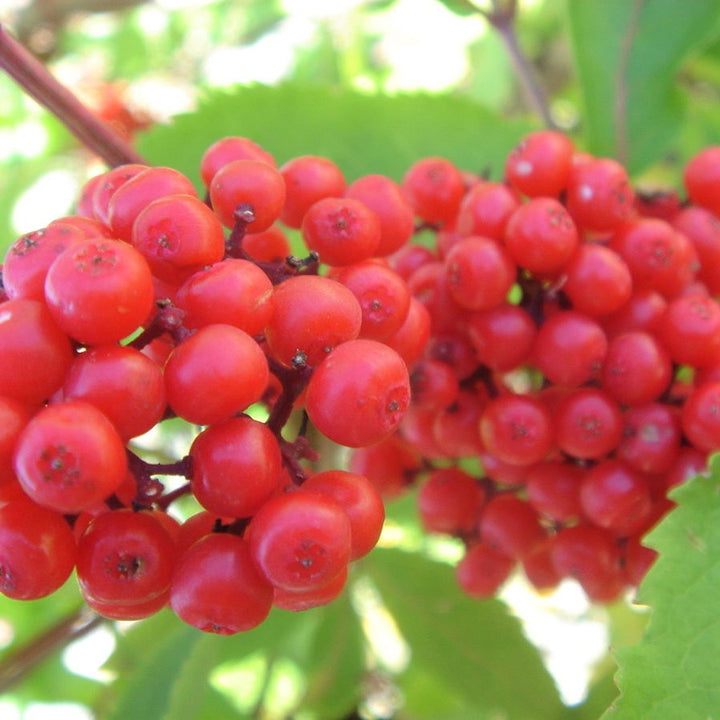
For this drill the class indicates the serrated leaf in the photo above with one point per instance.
(674, 671)
(475, 647)
(628, 54)
(362, 133)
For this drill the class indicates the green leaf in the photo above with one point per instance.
(335, 663)
(149, 689)
(463, 8)
(628, 54)
(475, 648)
(674, 671)
(362, 133)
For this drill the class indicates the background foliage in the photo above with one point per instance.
(633, 79)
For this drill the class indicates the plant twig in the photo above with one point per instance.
(37, 81)
(22, 661)
(621, 89)
(502, 18)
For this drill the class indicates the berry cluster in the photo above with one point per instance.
(556, 326)
(572, 347)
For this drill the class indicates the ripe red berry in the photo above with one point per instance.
(300, 540)
(125, 558)
(99, 291)
(310, 316)
(236, 467)
(540, 164)
(214, 374)
(248, 185)
(36, 354)
(360, 500)
(308, 179)
(69, 457)
(217, 587)
(517, 429)
(342, 231)
(358, 395)
(37, 550)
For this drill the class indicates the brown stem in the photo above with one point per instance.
(37, 81)
(502, 18)
(22, 661)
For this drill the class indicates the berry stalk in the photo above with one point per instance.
(36, 80)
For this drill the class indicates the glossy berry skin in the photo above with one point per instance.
(485, 210)
(511, 525)
(14, 416)
(236, 467)
(599, 195)
(102, 187)
(37, 550)
(502, 336)
(35, 352)
(358, 395)
(588, 424)
(232, 292)
(569, 348)
(553, 489)
(126, 385)
(311, 315)
(586, 553)
(449, 501)
(598, 281)
(541, 237)
(342, 231)
(27, 260)
(615, 497)
(483, 570)
(215, 373)
(308, 179)
(383, 296)
(385, 198)
(540, 164)
(249, 185)
(228, 149)
(362, 503)
(637, 369)
(125, 558)
(69, 457)
(434, 187)
(300, 540)
(216, 586)
(308, 599)
(700, 417)
(99, 291)
(517, 429)
(480, 273)
(178, 235)
(690, 330)
(658, 257)
(702, 178)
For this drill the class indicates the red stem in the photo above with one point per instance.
(37, 81)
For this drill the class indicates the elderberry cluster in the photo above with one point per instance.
(556, 326)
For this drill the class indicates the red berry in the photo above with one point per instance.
(216, 586)
(358, 395)
(248, 186)
(236, 467)
(300, 540)
(69, 457)
(37, 550)
(214, 374)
